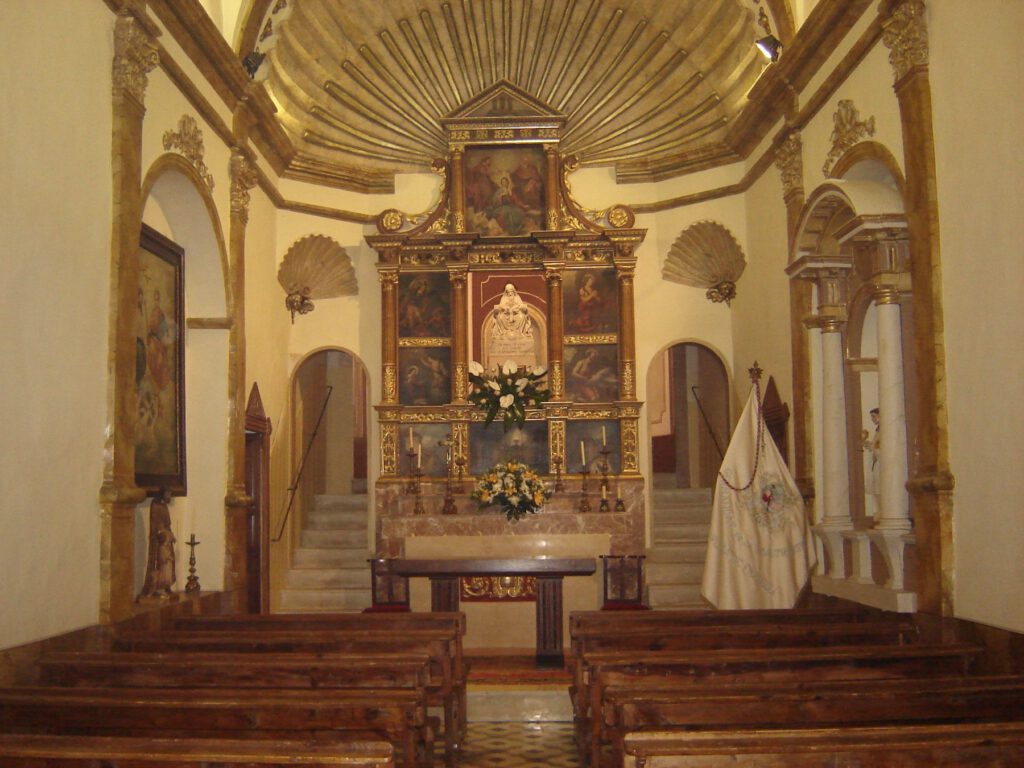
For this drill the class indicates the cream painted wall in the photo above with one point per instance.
(977, 77)
(55, 212)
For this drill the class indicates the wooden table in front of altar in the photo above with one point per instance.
(549, 571)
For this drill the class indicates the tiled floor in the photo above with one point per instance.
(519, 745)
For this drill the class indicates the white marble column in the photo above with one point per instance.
(835, 470)
(895, 510)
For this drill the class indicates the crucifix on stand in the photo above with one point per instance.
(192, 583)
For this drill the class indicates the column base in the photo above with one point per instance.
(876, 596)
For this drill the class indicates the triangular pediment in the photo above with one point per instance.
(504, 100)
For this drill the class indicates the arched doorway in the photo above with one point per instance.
(688, 396)
(329, 426)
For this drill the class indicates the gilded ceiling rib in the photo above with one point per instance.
(371, 115)
(428, 75)
(582, 35)
(464, 69)
(375, 141)
(595, 54)
(650, 136)
(427, 21)
(628, 75)
(409, 72)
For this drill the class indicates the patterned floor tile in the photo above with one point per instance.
(519, 745)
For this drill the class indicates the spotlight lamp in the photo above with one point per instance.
(770, 47)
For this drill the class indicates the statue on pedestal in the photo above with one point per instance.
(160, 567)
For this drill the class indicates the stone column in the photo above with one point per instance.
(135, 55)
(243, 176)
(460, 353)
(905, 34)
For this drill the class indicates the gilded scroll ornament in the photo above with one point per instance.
(424, 341)
(389, 449)
(790, 162)
(630, 462)
(592, 338)
(485, 588)
(390, 220)
(905, 34)
(848, 131)
(627, 378)
(390, 389)
(188, 140)
(135, 55)
(243, 178)
(556, 438)
(460, 381)
(557, 382)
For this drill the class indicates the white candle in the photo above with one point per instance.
(604, 437)
(583, 454)
(410, 438)
(419, 456)
(618, 491)
(604, 493)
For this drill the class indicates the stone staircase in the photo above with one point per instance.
(675, 562)
(329, 570)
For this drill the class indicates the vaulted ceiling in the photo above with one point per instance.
(653, 87)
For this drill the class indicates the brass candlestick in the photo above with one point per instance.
(557, 461)
(449, 507)
(413, 487)
(192, 582)
(584, 502)
(620, 505)
(460, 465)
(604, 466)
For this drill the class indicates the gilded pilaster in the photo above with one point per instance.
(458, 197)
(905, 34)
(552, 217)
(389, 333)
(624, 269)
(789, 161)
(460, 380)
(135, 55)
(242, 174)
(556, 380)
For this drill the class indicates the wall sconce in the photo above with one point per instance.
(770, 47)
(297, 302)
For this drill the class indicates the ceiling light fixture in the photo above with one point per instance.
(770, 47)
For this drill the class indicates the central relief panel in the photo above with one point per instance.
(508, 337)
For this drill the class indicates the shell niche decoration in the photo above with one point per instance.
(706, 255)
(315, 267)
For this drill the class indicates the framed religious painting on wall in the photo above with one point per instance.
(160, 365)
(425, 376)
(505, 190)
(491, 444)
(592, 373)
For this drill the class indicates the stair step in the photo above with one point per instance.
(327, 557)
(321, 539)
(674, 573)
(332, 520)
(692, 552)
(328, 578)
(680, 532)
(660, 595)
(341, 502)
(324, 600)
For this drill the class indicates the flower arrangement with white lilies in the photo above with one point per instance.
(509, 391)
(515, 486)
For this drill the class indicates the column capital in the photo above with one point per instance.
(243, 178)
(905, 34)
(135, 55)
(826, 323)
(886, 294)
(789, 160)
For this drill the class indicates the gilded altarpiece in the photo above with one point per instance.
(507, 267)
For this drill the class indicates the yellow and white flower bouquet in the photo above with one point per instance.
(517, 488)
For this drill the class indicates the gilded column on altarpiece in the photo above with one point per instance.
(460, 350)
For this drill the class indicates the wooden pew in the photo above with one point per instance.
(604, 668)
(436, 643)
(399, 622)
(936, 745)
(47, 750)
(715, 706)
(398, 716)
(234, 670)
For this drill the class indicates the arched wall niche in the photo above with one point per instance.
(178, 203)
(853, 243)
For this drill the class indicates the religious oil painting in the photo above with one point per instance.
(160, 366)
(425, 446)
(590, 304)
(490, 445)
(424, 305)
(591, 373)
(425, 376)
(584, 442)
(505, 190)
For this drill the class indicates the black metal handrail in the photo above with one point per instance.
(302, 465)
(707, 422)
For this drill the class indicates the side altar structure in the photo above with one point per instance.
(508, 267)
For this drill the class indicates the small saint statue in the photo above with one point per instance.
(160, 569)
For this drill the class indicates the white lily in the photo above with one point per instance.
(521, 384)
(506, 400)
(509, 367)
(475, 368)
(494, 385)
(538, 370)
